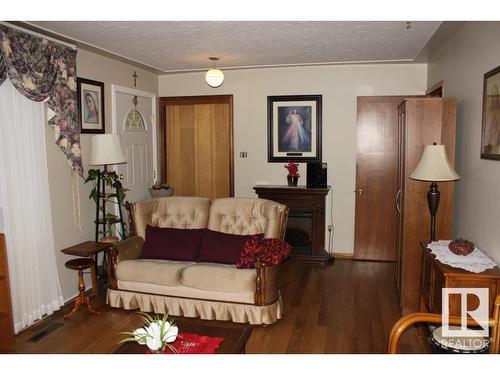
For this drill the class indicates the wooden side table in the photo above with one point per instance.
(89, 249)
(80, 264)
(436, 276)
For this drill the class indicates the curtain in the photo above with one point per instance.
(44, 70)
(25, 203)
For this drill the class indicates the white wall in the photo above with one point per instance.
(339, 85)
(461, 63)
(109, 71)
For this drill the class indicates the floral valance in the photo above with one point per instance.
(41, 69)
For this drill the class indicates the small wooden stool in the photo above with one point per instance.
(80, 264)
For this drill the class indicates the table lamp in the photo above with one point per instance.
(434, 166)
(106, 149)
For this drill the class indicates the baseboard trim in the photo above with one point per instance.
(343, 255)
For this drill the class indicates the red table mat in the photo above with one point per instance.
(190, 343)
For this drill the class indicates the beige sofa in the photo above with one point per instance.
(205, 290)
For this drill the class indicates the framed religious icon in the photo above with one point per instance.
(490, 135)
(294, 128)
(90, 106)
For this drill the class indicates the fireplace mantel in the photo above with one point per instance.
(306, 209)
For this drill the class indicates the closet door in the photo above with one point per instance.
(199, 146)
(376, 178)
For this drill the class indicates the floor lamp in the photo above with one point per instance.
(434, 166)
(105, 149)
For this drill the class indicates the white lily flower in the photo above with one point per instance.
(140, 335)
(153, 340)
(170, 333)
(156, 334)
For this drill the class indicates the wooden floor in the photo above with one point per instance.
(345, 307)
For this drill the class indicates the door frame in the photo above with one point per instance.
(115, 89)
(200, 99)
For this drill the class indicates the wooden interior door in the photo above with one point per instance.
(198, 145)
(376, 178)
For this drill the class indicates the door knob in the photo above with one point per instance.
(359, 191)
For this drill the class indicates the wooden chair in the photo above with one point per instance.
(406, 321)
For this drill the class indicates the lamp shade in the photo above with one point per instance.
(106, 149)
(214, 77)
(434, 166)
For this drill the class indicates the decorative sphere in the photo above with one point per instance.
(214, 77)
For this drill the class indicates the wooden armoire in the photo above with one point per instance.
(421, 121)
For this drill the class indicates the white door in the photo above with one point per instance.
(134, 121)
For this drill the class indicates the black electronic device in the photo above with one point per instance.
(316, 175)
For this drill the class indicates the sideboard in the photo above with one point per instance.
(436, 276)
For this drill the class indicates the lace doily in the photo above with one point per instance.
(476, 261)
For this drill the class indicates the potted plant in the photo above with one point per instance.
(293, 173)
(157, 334)
(112, 181)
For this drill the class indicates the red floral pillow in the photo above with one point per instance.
(267, 250)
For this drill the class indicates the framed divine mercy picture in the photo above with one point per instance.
(490, 135)
(90, 106)
(294, 128)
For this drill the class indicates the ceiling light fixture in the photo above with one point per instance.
(214, 77)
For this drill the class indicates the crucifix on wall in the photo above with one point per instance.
(135, 78)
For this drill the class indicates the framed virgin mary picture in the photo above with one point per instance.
(490, 135)
(90, 106)
(294, 128)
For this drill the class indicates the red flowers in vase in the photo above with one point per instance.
(293, 169)
(293, 173)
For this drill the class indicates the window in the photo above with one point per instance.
(134, 121)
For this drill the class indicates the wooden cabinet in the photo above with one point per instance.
(436, 276)
(306, 219)
(421, 121)
(6, 320)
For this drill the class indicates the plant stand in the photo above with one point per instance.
(102, 198)
(104, 221)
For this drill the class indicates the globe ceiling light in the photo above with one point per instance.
(214, 77)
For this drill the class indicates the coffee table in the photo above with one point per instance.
(235, 335)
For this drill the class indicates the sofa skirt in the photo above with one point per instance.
(192, 308)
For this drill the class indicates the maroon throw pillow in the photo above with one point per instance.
(218, 247)
(171, 243)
